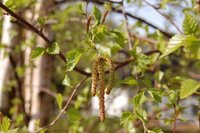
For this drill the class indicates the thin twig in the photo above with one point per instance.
(65, 107)
(39, 33)
(168, 35)
(164, 15)
(126, 25)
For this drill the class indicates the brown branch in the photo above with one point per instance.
(38, 32)
(65, 107)
(162, 14)
(168, 35)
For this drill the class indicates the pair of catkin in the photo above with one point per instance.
(98, 80)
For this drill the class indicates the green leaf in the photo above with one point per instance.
(190, 24)
(156, 95)
(141, 114)
(5, 124)
(10, 4)
(41, 20)
(193, 47)
(97, 14)
(188, 87)
(156, 130)
(174, 43)
(66, 81)
(73, 58)
(53, 49)
(126, 117)
(59, 99)
(139, 99)
(129, 81)
(73, 114)
(80, 8)
(37, 52)
(118, 37)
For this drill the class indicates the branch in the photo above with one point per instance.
(38, 32)
(126, 25)
(65, 107)
(162, 14)
(168, 35)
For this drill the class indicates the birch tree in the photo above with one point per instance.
(42, 75)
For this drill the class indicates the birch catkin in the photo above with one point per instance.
(98, 80)
(111, 75)
(95, 75)
(101, 91)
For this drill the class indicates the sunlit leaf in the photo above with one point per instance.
(59, 99)
(126, 117)
(97, 14)
(5, 124)
(188, 87)
(37, 52)
(190, 24)
(73, 58)
(53, 49)
(66, 81)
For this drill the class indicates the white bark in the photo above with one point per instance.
(41, 104)
(5, 74)
(28, 72)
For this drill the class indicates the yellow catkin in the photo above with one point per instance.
(95, 75)
(101, 90)
(111, 75)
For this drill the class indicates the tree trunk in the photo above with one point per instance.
(9, 40)
(41, 104)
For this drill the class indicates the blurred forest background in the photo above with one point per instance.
(48, 47)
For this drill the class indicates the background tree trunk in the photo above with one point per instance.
(11, 36)
(41, 104)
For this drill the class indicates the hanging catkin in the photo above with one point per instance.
(101, 90)
(95, 75)
(111, 75)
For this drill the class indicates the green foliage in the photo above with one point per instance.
(37, 52)
(156, 95)
(129, 81)
(5, 124)
(53, 49)
(59, 99)
(41, 20)
(10, 4)
(188, 87)
(96, 14)
(66, 81)
(126, 117)
(73, 58)
(139, 99)
(190, 24)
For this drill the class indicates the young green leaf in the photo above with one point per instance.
(73, 58)
(80, 8)
(66, 81)
(188, 87)
(174, 43)
(10, 4)
(139, 99)
(156, 95)
(190, 24)
(59, 99)
(73, 114)
(41, 20)
(5, 124)
(126, 117)
(97, 14)
(37, 52)
(129, 81)
(53, 49)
